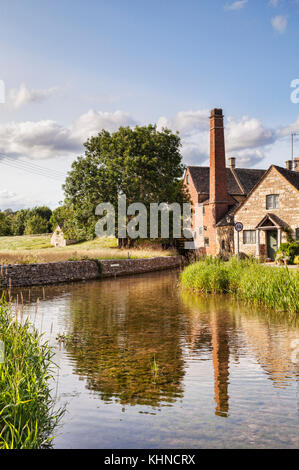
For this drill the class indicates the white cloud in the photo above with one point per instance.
(245, 138)
(236, 5)
(288, 130)
(273, 3)
(46, 139)
(21, 96)
(247, 133)
(92, 122)
(279, 23)
(14, 201)
(186, 122)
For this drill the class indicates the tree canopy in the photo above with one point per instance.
(143, 163)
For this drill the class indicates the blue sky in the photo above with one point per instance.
(71, 67)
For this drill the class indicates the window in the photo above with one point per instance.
(297, 234)
(249, 237)
(203, 209)
(200, 230)
(187, 179)
(206, 242)
(223, 245)
(272, 201)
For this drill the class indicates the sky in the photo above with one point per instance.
(70, 68)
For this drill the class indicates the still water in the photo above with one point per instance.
(149, 366)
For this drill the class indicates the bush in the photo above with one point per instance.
(36, 224)
(296, 259)
(289, 250)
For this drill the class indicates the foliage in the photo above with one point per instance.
(143, 163)
(27, 418)
(64, 216)
(36, 224)
(5, 224)
(296, 259)
(19, 222)
(289, 250)
(247, 280)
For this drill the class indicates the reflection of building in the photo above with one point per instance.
(220, 344)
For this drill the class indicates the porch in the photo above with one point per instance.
(269, 235)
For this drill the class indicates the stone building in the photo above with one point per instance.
(270, 210)
(58, 238)
(216, 192)
(266, 202)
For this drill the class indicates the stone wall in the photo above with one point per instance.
(254, 209)
(71, 271)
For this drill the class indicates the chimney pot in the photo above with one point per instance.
(216, 112)
(296, 164)
(232, 162)
(289, 164)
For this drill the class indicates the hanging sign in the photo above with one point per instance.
(238, 226)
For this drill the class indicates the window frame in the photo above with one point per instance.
(250, 242)
(275, 201)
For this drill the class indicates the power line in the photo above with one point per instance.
(32, 168)
(28, 170)
(33, 165)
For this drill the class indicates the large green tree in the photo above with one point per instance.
(143, 163)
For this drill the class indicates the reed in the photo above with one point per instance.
(277, 288)
(27, 416)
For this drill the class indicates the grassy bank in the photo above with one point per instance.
(26, 408)
(247, 280)
(37, 249)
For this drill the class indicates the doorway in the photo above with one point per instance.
(272, 238)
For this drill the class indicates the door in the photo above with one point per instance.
(272, 243)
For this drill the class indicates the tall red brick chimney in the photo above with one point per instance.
(219, 197)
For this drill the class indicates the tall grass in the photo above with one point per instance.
(27, 418)
(277, 288)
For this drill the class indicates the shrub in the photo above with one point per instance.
(289, 250)
(247, 280)
(296, 259)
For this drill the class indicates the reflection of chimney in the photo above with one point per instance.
(296, 163)
(289, 164)
(232, 163)
(220, 346)
(218, 186)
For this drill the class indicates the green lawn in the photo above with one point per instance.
(37, 242)
(38, 249)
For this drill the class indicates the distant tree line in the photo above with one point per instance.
(38, 220)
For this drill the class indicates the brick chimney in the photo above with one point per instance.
(289, 164)
(219, 197)
(296, 164)
(232, 163)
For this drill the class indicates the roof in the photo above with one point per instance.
(290, 175)
(240, 181)
(273, 219)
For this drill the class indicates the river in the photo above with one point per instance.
(149, 366)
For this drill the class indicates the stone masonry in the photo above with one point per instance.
(71, 271)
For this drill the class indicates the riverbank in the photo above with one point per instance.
(246, 280)
(27, 419)
(84, 270)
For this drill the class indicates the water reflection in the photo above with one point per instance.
(216, 360)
